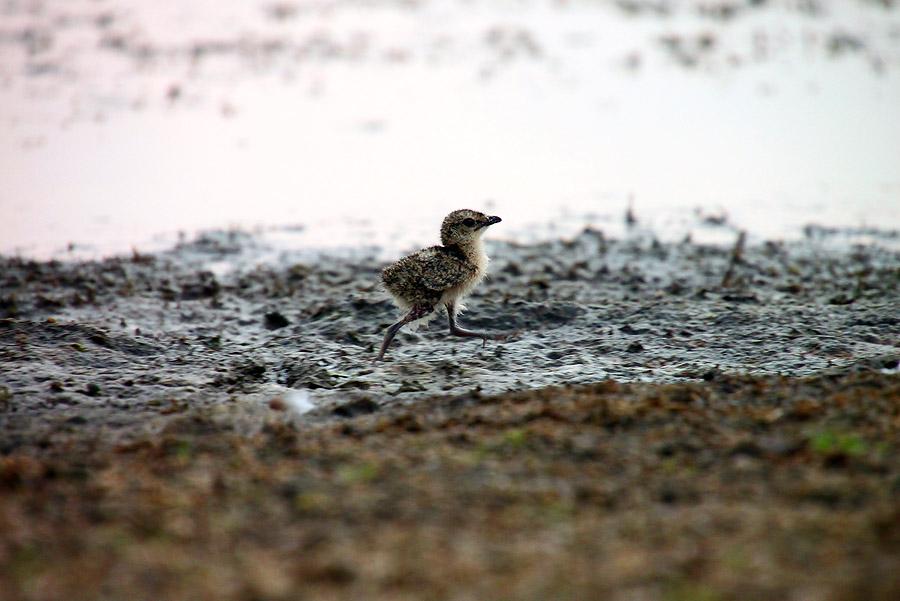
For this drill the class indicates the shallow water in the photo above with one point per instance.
(344, 124)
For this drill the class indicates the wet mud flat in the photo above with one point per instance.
(673, 420)
(229, 318)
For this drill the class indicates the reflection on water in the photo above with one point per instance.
(123, 123)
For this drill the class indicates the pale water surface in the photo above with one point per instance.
(124, 123)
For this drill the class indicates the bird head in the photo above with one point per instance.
(464, 226)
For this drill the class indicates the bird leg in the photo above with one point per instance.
(458, 331)
(417, 312)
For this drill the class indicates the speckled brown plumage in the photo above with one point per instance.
(423, 277)
(441, 275)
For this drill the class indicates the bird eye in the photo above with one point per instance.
(469, 222)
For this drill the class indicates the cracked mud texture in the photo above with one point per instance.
(673, 421)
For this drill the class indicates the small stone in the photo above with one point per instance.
(275, 320)
(361, 406)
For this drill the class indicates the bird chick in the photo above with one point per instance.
(441, 275)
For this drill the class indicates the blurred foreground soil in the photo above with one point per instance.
(731, 488)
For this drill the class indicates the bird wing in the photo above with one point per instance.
(440, 271)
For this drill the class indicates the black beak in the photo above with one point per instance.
(492, 221)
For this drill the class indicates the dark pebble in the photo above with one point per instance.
(275, 320)
(358, 407)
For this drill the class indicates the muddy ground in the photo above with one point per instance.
(113, 339)
(671, 421)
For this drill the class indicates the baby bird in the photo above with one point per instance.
(441, 275)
